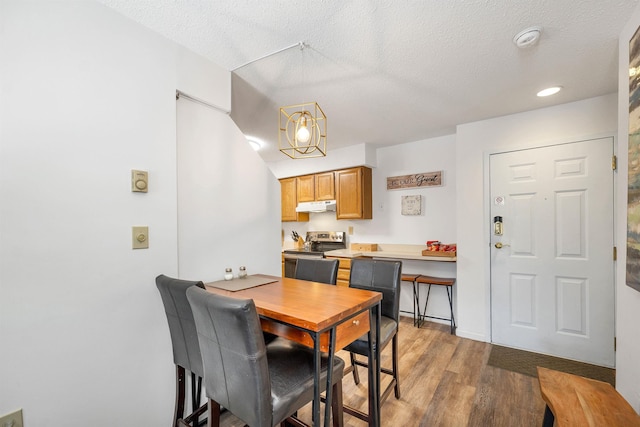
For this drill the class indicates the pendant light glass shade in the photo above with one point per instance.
(303, 131)
(302, 134)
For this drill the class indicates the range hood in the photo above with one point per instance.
(324, 206)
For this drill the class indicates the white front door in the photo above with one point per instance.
(552, 281)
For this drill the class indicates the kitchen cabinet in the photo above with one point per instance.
(344, 270)
(354, 193)
(325, 189)
(288, 199)
(306, 188)
(351, 188)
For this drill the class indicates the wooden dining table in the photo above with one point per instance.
(320, 316)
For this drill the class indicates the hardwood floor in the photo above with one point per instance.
(444, 381)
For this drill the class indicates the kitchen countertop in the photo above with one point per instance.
(391, 251)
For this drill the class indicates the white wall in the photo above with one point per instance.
(225, 199)
(388, 225)
(85, 96)
(341, 158)
(628, 300)
(564, 123)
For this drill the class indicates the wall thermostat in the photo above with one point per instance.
(139, 181)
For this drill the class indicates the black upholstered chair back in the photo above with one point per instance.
(184, 337)
(234, 354)
(317, 270)
(381, 276)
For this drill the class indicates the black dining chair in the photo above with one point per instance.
(317, 270)
(186, 349)
(385, 277)
(263, 385)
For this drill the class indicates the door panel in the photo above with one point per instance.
(552, 282)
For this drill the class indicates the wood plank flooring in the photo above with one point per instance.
(444, 381)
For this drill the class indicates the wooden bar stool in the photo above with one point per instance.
(416, 296)
(441, 281)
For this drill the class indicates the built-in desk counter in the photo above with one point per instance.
(410, 296)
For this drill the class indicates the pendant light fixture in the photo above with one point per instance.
(303, 131)
(302, 128)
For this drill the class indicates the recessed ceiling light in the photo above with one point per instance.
(549, 91)
(527, 37)
(255, 144)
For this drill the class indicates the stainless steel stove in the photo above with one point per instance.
(321, 242)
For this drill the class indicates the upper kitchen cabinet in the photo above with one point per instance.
(306, 190)
(325, 189)
(353, 193)
(288, 197)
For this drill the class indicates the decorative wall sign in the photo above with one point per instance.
(411, 205)
(426, 179)
(633, 189)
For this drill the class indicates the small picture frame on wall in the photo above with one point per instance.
(411, 205)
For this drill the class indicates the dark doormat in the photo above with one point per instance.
(525, 362)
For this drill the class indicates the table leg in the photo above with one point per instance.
(549, 418)
(316, 378)
(329, 390)
(374, 366)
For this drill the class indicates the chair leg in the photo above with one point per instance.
(424, 312)
(394, 357)
(356, 377)
(336, 405)
(214, 414)
(180, 395)
(453, 319)
(196, 386)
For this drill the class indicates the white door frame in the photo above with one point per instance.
(486, 213)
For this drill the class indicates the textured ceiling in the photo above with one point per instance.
(390, 72)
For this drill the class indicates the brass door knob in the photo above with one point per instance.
(499, 245)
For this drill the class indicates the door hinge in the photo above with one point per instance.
(615, 253)
(615, 343)
(614, 162)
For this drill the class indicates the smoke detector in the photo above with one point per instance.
(527, 37)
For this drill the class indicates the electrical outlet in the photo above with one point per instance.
(13, 419)
(350, 231)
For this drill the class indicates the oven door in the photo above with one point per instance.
(291, 260)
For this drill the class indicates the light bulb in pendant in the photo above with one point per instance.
(302, 134)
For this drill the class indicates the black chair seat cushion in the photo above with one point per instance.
(291, 375)
(387, 330)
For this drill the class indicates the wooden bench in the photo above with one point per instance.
(577, 401)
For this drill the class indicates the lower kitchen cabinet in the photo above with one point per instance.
(344, 271)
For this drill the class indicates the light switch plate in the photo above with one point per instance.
(13, 419)
(139, 182)
(140, 238)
